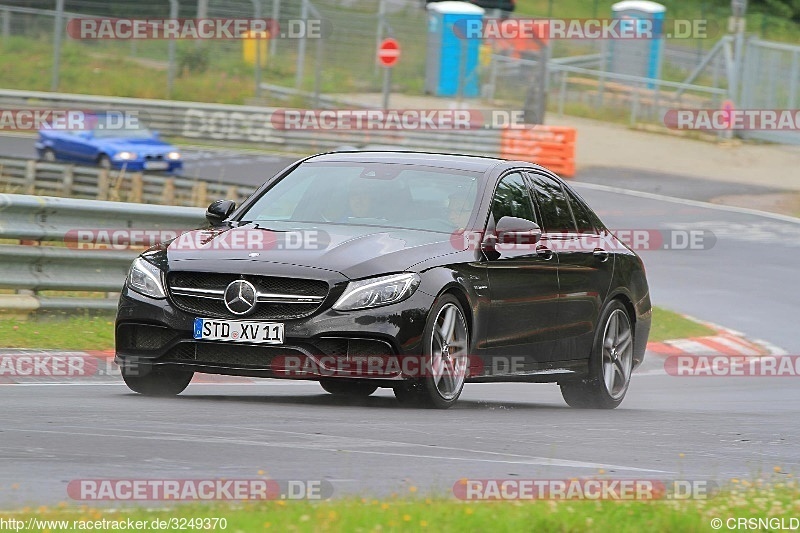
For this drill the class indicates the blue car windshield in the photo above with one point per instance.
(371, 194)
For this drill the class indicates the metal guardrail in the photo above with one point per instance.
(24, 176)
(47, 259)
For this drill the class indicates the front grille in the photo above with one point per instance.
(215, 307)
(228, 354)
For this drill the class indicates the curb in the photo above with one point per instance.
(726, 341)
(729, 345)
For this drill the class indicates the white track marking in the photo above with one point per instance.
(684, 201)
(524, 460)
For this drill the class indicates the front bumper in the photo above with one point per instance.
(154, 333)
(172, 167)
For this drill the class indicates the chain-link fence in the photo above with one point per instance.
(343, 59)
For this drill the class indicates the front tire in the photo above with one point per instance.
(104, 162)
(610, 364)
(162, 382)
(445, 352)
(344, 387)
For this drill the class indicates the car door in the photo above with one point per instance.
(523, 287)
(585, 266)
(74, 145)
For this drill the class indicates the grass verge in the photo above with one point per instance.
(670, 325)
(774, 504)
(59, 333)
(97, 333)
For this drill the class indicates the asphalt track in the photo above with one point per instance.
(667, 427)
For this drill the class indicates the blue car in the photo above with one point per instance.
(132, 148)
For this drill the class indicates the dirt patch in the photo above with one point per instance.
(784, 203)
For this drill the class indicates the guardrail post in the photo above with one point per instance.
(200, 193)
(168, 194)
(102, 184)
(30, 176)
(6, 26)
(66, 180)
(137, 188)
(635, 105)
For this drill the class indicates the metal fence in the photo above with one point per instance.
(301, 71)
(45, 258)
(573, 88)
(771, 80)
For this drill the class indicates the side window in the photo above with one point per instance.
(556, 215)
(582, 214)
(511, 199)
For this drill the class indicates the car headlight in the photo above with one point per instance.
(374, 292)
(125, 156)
(174, 156)
(145, 278)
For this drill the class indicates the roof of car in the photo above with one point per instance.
(457, 162)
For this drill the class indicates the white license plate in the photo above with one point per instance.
(211, 329)
(156, 165)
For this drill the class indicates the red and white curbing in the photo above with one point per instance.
(726, 342)
(726, 348)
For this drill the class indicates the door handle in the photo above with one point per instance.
(600, 253)
(544, 252)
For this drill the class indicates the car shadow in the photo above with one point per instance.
(330, 400)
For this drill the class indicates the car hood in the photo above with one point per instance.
(135, 144)
(306, 249)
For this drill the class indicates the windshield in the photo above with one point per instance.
(372, 194)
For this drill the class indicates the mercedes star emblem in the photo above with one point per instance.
(240, 297)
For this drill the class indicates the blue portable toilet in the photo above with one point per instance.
(639, 57)
(452, 57)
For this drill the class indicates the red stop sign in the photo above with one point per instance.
(389, 52)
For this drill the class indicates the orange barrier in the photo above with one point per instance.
(552, 147)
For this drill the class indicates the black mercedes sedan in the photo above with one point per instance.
(415, 271)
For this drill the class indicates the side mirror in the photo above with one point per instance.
(219, 211)
(512, 231)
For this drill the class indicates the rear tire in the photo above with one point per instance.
(345, 387)
(48, 155)
(161, 382)
(610, 364)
